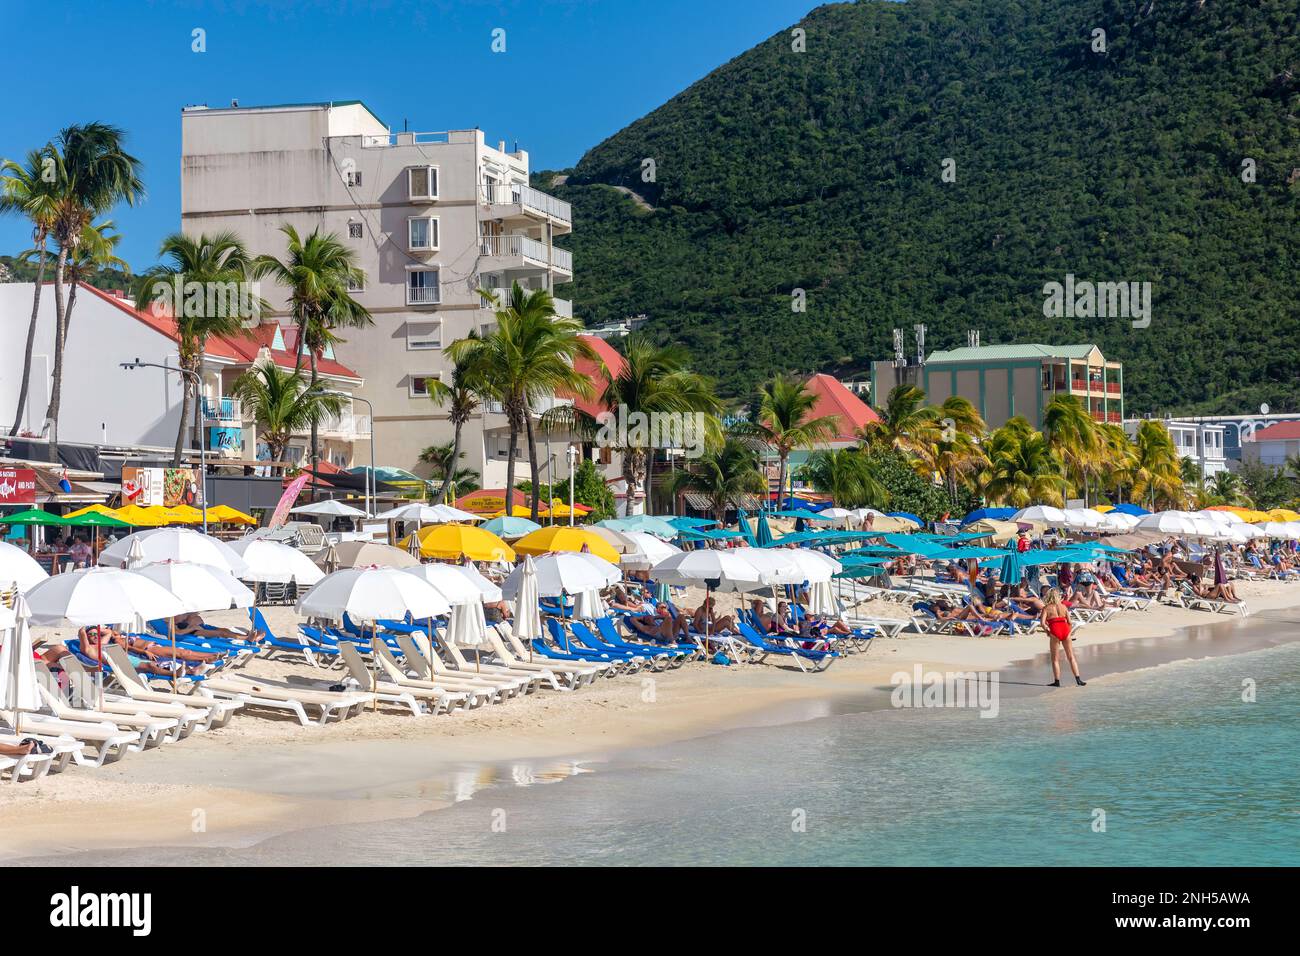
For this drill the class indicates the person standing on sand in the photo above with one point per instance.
(1056, 621)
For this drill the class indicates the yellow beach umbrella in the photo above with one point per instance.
(224, 514)
(146, 517)
(453, 541)
(560, 537)
(1251, 516)
(92, 509)
(519, 511)
(1283, 514)
(1103, 508)
(184, 514)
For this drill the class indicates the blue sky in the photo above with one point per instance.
(573, 72)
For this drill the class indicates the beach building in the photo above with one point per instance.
(837, 400)
(104, 404)
(1196, 439)
(433, 218)
(1003, 381)
(1273, 445)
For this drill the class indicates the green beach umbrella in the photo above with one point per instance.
(33, 516)
(762, 533)
(1013, 568)
(93, 519)
(742, 522)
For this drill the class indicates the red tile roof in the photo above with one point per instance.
(834, 399)
(607, 357)
(1282, 431)
(241, 349)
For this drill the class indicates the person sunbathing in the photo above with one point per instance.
(621, 600)
(768, 623)
(17, 750)
(1021, 595)
(146, 657)
(706, 619)
(967, 617)
(1087, 594)
(191, 625)
(660, 626)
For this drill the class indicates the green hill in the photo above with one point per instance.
(11, 270)
(821, 170)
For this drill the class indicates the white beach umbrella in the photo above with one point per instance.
(1167, 522)
(19, 568)
(371, 594)
(1248, 531)
(620, 541)
(1082, 519)
(17, 670)
(817, 566)
(467, 626)
(135, 556)
(822, 600)
(1046, 514)
(199, 586)
(7, 619)
(776, 565)
(650, 550)
(175, 544)
(1122, 521)
(420, 513)
(1218, 517)
(452, 514)
(564, 572)
(840, 516)
(527, 623)
(328, 508)
(490, 590)
(588, 605)
(100, 596)
(1293, 530)
(275, 562)
(719, 570)
(446, 579)
(861, 513)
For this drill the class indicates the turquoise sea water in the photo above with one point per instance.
(1185, 771)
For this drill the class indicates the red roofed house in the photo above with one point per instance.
(104, 403)
(836, 400)
(1272, 445)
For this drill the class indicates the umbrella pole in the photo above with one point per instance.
(429, 633)
(171, 630)
(374, 667)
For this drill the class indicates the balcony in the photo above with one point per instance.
(423, 295)
(522, 252)
(1114, 418)
(1112, 388)
(509, 200)
(224, 409)
(345, 426)
(563, 307)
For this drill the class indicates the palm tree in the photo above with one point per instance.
(282, 404)
(849, 475)
(92, 174)
(1118, 459)
(95, 252)
(1157, 474)
(1226, 488)
(204, 265)
(317, 271)
(461, 399)
(907, 424)
(530, 354)
(785, 423)
(1072, 434)
(443, 458)
(958, 456)
(723, 475)
(28, 191)
(656, 380)
(1023, 469)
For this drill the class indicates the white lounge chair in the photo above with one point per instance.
(396, 686)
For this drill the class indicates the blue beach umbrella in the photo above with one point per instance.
(1130, 509)
(510, 527)
(762, 533)
(1012, 567)
(908, 515)
(996, 514)
(742, 522)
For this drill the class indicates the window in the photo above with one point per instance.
(423, 335)
(422, 287)
(357, 284)
(355, 230)
(422, 182)
(422, 233)
(353, 177)
(419, 384)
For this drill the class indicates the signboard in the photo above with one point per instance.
(287, 499)
(166, 487)
(482, 504)
(225, 439)
(17, 486)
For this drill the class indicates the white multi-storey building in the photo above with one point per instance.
(433, 218)
(1201, 441)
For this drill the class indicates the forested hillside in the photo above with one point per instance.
(822, 170)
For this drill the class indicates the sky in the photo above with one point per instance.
(573, 72)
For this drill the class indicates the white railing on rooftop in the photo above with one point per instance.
(525, 247)
(528, 198)
(396, 139)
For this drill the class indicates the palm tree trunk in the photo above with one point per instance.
(780, 484)
(56, 387)
(510, 466)
(533, 467)
(630, 476)
(31, 341)
(315, 419)
(451, 468)
(184, 422)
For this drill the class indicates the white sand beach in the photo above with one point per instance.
(264, 774)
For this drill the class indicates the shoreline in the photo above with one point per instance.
(260, 778)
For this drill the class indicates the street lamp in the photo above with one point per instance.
(193, 376)
(370, 477)
(573, 454)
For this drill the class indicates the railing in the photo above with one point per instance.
(344, 425)
(526, 247)
(1114, 418)
(223, 409)
(563, 307)
(1113, 388)
(372, 141)
(423, 295)
(528, 199)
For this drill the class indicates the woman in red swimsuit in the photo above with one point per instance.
(1056, 620)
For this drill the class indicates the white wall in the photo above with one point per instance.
(101, 402)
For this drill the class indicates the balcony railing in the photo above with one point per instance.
(563, 307)
(1112, 388)
(530, 200)
(423, 295)
(223, 409)
(528, 248)
(345, 425)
